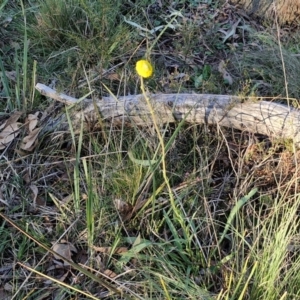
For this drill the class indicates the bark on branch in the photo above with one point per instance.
(268, 118)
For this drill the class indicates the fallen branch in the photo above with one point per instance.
(268, 118)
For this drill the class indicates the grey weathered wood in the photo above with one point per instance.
(250, 114)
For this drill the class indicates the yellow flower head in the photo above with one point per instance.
(144, 68)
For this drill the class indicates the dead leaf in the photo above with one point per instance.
(26, 177)
(65, 250)
(10, 129)
(113, 76)
(33, 120)
(125, 209)
(122, 206)
(110, 273)
(226, 76)
(12, 119)
(67, 199)
(28, 142)
(108, 250)
(35, 191)
(8, 134)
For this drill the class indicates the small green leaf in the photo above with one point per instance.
(206, 72)
(198, 81)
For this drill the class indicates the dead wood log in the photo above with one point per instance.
(247, 114)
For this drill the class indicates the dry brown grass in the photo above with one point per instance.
(287, 11)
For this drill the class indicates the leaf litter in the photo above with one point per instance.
(10, 130)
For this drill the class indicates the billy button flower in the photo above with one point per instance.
(144, 68)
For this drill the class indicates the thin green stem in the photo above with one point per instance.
(163, 150)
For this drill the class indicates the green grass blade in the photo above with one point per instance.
(234, 211)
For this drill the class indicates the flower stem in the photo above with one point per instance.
(163, 150)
